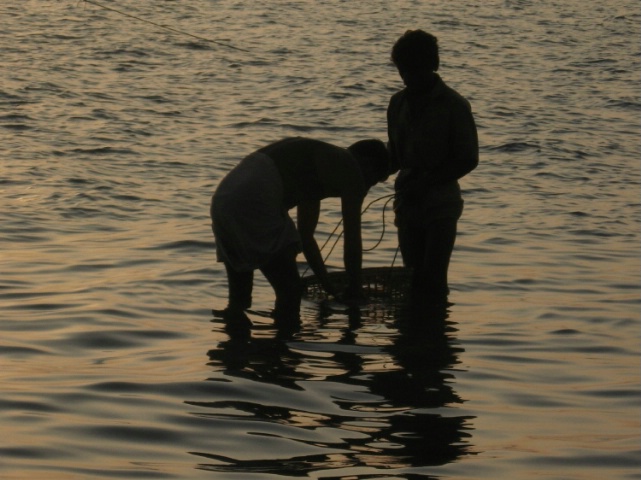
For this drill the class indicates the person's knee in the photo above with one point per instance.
(282, 273)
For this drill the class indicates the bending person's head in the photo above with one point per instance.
(373, 158)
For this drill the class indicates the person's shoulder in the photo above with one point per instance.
(399, 94)
(452, 96)
(300, 149)
(315, 146)
(304, 142)
(395, 102)
(296, 142)
(397, 97)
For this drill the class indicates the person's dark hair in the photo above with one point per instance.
(416, 49)
(375, 154)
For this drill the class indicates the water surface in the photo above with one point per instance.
(114, 133)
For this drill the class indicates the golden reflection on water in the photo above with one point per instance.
(115, 136)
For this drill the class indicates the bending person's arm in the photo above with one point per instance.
(307, 217)
(353, 245)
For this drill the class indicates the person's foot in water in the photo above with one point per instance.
(237, 323)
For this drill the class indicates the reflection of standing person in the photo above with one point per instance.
(433, 141)
(254, 231)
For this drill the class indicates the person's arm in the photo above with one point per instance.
(307, 218)
(353, 245)
(340, 174)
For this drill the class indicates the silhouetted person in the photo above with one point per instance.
(433, 141)
(253, 229)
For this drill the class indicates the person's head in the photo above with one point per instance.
(373, 158)
(416, 56)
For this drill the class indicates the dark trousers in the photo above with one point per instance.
(427, 247)
(282, 274)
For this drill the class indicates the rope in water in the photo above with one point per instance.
(164, 27)
(389, 197)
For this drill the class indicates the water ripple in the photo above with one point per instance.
(115, 135)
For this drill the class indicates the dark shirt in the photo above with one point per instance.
(299, 172)
(312, 170)
(433, 141)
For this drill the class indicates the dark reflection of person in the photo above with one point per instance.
(433, 141)
(399, 425)
(426, 352)
(267, 360)
(423, 351)
(253, 230)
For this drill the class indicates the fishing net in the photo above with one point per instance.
(378, 282)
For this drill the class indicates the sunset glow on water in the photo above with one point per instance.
(114, 134)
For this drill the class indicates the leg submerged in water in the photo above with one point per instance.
(240, 286)
(282, 274)
(427, 250)
(431, 274)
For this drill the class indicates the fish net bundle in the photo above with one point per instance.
(378, 282)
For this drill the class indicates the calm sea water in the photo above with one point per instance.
(113, 135)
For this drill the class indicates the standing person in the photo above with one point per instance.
(433, 142)
(253, 229)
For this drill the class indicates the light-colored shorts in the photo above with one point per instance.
(249, 220)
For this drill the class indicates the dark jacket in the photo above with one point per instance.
(433, 142)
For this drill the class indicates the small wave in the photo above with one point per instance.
(125, 51)
(15, 122)
(104, 151)
(184, 245)
(624, 105)
(46, 307)
(127, 198)
(44, 87)
(10, 99)
(194, 45)
(17, 127)
(89, 267)
(80, 181)
(280, 51)
(300, 128)
(32, 453)
(21, 351)
(566, 331)
(500, 241)
(515, 147)
(155, 98)
(116, 339)
(135, 434)
(60, 36)
(260, 121)
(79, 212)
(14, 117)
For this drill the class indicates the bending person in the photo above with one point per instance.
(253, 229)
